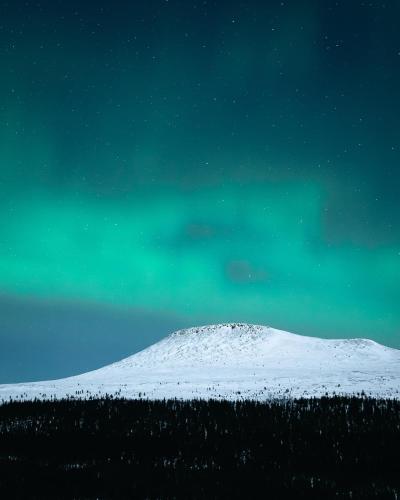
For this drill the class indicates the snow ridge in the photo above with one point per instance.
(236, 360)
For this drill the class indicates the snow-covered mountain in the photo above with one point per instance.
(235, 361)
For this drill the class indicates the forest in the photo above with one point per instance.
(115, 448)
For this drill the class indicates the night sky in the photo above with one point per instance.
(171, 163)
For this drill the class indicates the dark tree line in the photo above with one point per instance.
(115, 448)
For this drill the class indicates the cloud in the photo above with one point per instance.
(48, 338)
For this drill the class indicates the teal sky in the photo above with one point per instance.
(180, 163)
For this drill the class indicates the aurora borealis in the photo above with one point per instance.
(171, 163)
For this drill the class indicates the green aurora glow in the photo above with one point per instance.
(254, 254)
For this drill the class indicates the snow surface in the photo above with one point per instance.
(234, 361)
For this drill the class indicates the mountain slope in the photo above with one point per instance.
(235, 361)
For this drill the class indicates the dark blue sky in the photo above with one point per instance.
(171, 163)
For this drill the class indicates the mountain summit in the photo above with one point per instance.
(236, 360)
